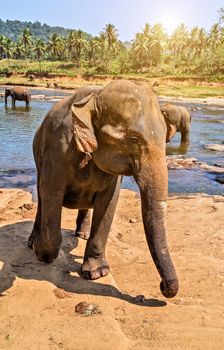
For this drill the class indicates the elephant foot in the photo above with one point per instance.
(82, 234)
(94, 268)
(31, 239)
(45, 251)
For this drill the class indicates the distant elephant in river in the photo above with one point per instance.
(177, 119)
(18, 93)
(82, 147)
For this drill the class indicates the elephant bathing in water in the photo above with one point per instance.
(178, 119)
(18, 93)
(84, 145)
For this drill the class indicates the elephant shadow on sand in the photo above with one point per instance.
(20, 261)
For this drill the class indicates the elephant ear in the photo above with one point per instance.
(170, 126)
(83, 112)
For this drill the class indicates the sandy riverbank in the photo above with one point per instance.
(37, 303)
(210, 101)
(206, 101)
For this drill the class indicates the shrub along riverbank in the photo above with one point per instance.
(66, 76)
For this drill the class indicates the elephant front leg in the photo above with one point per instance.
(185, 134)
(83, 224)
(47, 244)
(95, 264)
(37, 224)
(36, 227)
(13, 101)
(185, 138)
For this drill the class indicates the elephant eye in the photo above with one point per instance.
(134, 139)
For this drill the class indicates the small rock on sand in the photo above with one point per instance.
(133, 221)
(87, 309)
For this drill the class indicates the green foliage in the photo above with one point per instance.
(13, 29)
(152, 52)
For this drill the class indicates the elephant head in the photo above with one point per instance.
(171, 127)
(7, 94)
(124, 132)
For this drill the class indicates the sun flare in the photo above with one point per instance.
(170, 23)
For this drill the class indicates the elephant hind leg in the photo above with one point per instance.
(83, 223)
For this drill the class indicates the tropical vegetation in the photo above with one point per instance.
(152, 51)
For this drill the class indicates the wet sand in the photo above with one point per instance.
(37, 301)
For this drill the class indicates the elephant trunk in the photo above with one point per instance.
(6, 97)
(152, 180)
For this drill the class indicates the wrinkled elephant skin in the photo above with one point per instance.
(84, 145)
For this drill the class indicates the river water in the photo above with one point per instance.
(17, 128)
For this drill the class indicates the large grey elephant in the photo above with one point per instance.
(84, 145)
(18, 93)
(178, 119)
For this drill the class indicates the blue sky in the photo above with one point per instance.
(129, 16)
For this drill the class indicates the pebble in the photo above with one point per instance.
(26, 206)
(133, 221)
(87, 309)
(119, 236)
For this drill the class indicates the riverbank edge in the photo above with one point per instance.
(210, 101)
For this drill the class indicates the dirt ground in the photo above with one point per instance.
(37, 301)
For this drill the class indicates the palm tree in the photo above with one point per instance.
(157, 42)
(215, 36)
(70, 44)
(147, 46)
(221, 15)
(178, 45)
(94, 49)
(111, 34)
(140, 49)
(214, 40)
(8, 48)
(202, 40)
(102, 54)
(80, 45)
(26, 39)
(147, 31)
(102, 43)
(19, 51)
(193, 43)
(77, 45)
(55, 46)
(39, 49)
(2, 40)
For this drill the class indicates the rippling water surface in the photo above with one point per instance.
(17, 128)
